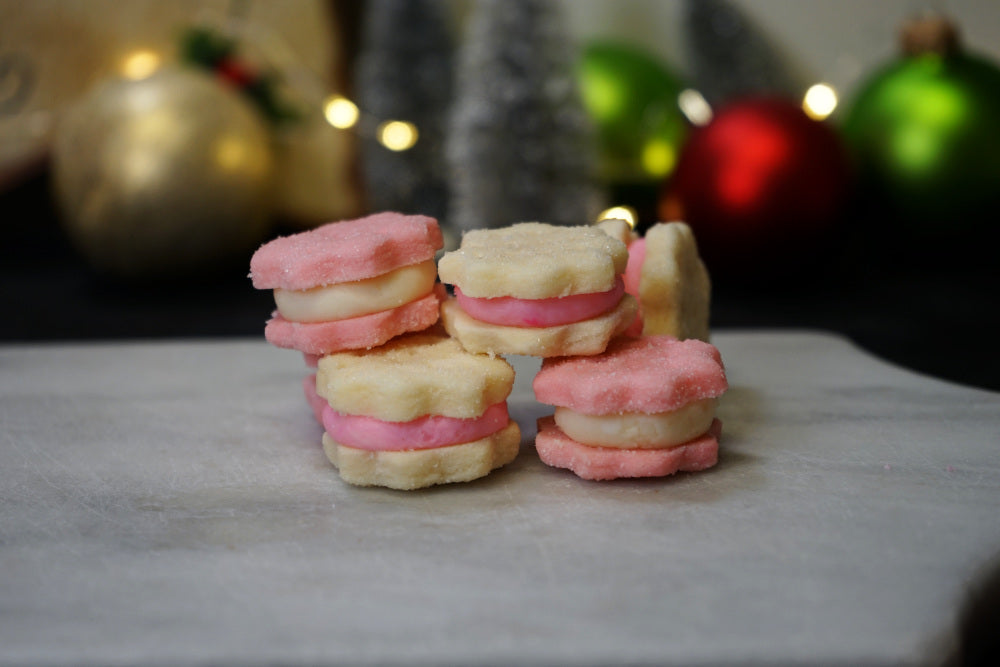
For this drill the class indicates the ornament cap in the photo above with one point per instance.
(929, 33)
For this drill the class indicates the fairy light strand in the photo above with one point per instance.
(337, 110)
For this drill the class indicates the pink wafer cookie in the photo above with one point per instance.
(356, 333)
(558, 450)
(634, 411)
(345, 251)
(650, 375)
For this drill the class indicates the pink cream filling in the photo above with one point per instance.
(373, 434)
(514, 312)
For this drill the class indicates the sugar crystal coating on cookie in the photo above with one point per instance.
(673, 286)
(412, 376)
(650, 374)
(533, 260)
(345, 251)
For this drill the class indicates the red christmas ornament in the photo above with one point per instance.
(761, 179)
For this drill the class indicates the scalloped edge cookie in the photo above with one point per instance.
(649, 374)
(412, 376)
(345, 251)
(534, 260)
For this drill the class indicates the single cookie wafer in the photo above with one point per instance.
(674, 289)
(588, 337)
(415, 469)
(649, 374)
(558, 450)
(412, 376)
(533, 260)
(345, 251)
(364, 332)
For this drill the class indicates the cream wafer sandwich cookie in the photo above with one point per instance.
(353, 284)
(415, 412)
(643, 408)
(536, 289)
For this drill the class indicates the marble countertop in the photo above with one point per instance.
(169, 502)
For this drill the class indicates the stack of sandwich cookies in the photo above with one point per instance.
(643, 408)
(416, 411)
(536, 289)
(350, 285)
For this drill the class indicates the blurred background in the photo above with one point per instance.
(839, 161)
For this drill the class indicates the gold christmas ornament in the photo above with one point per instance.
(164, 175)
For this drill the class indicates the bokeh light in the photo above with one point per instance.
(140, 64)
(340, 112)
(626, 213)
(397, 135)
(819, 101)
(695, 107)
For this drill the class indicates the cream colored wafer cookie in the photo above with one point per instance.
(674, 288)
(580, 338)
(412, 376)
(419, 468)
(533, 260)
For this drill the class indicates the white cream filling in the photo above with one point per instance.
(633, 430)
(361, 297)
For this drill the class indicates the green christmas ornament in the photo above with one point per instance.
(633, 101)
(925, 133)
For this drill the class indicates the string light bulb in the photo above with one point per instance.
(694, 106)
(340, 112)
(658, 158)
(819, 101)
(397, 135)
